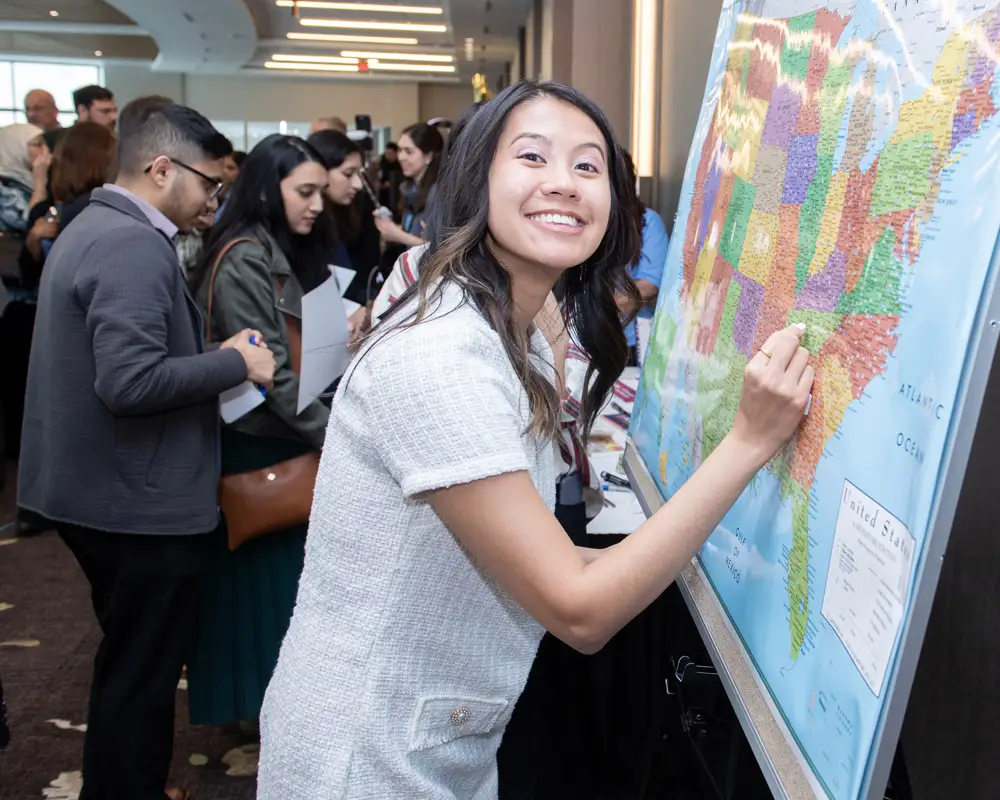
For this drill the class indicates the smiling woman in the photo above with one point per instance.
(432, 573)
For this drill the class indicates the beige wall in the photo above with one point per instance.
(588, 44)
(137, 80)
(443, 100)
(557, 41)
(533, 41)
(687, 36)
(602, 58)
(263, 98)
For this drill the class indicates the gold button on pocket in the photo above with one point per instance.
(441, 719)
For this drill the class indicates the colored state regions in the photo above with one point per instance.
(781, 231)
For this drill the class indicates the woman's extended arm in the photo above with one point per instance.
(508, 529)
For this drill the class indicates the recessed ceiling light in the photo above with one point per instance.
(397, 56)
(53, 13)
(311, 22)
(311, 67)
(376, 7)
(347, 37)
(98, 53)
(314, 59)
(411, 67)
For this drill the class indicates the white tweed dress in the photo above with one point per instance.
(404, 659)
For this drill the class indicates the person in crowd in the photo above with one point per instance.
(356, 239)
(269, 248)
(121, 434)
(554, 705)
(407, 266)
(230, 172)
(327, 124)
(647, 272)
(24, 164)
(141, 105)
(231, 168)
(390, 176)
(420, 152)
(84, 161)
(191, 244)
(447, 415)
(41, 110)
(96, 104)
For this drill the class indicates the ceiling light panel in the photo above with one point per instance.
(397, 56)
(311, 22)
(372, 7)
(314, 59)
(311, 67)
(350, 38)
(381, 65)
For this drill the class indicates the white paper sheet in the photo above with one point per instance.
(324, 341)
(626, 514)
(344, 277)
(239, 401)
(868, 582)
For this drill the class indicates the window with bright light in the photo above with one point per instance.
(60, 79)
(246, 134)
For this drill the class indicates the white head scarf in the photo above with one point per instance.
(14, 162)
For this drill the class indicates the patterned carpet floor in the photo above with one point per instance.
(48, 636)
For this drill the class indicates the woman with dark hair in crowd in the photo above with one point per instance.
(84, 160)
(356, 239)
(268, 249)
(407, 266)
(418, 617)
(420, 153)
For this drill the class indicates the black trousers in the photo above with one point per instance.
(538, 757)
(143, 590)
(16, 326)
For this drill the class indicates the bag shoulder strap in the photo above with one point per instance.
(211, 281)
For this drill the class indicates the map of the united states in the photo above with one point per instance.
(792, 220)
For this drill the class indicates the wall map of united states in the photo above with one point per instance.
(791, 220)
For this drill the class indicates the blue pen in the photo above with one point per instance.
(261, 389)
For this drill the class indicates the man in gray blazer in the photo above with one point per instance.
(120, 448)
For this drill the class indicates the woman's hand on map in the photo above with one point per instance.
(776, 386)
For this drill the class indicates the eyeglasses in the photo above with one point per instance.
(215, 182)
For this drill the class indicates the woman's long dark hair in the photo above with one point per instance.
(255, 199)
(459, 254)
(334, 147)
(428, 139)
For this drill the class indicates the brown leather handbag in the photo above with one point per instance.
(265, 500)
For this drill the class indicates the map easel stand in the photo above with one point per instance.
(962, 652)
(951, 736)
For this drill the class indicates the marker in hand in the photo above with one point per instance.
(261, 389)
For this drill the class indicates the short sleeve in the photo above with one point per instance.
(443, 405)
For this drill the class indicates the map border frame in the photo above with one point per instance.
(784, 764)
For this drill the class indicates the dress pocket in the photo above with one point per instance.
(442, 719)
